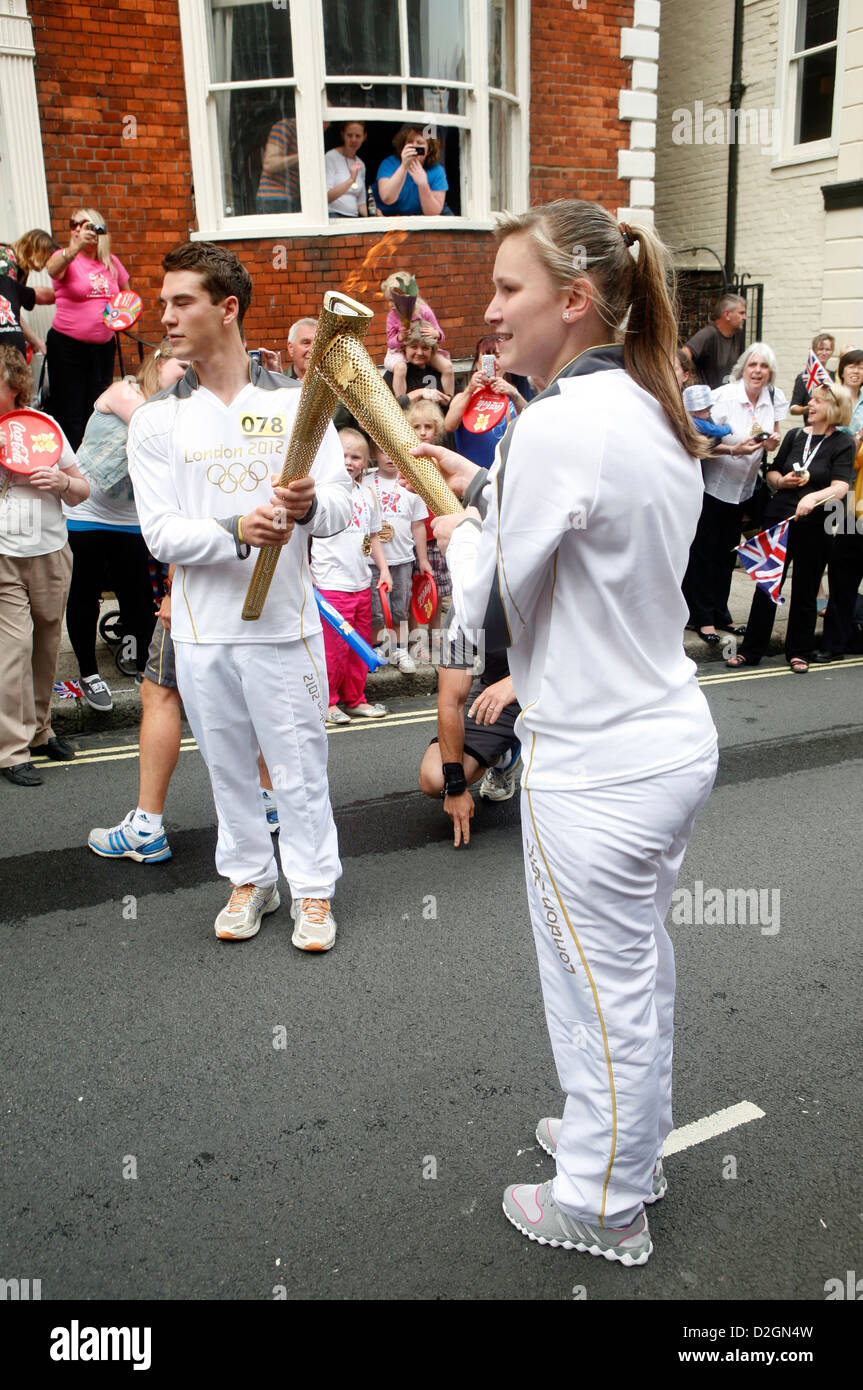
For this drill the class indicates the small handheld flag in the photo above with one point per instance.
(68, 690)
(815, 373)
(763, 558)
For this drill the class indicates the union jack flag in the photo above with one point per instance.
(815, 373)
(763, 557)
(68, 690)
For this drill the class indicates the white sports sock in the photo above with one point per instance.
(146, 822)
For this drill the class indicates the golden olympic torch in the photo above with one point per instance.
(340, 366)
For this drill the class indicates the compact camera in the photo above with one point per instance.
(97, 228)
(487, 365)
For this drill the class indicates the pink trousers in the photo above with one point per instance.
(345, 670)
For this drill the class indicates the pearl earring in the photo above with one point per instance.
(566, 316)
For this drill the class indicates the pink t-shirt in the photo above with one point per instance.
(82, 295)
(394, 323)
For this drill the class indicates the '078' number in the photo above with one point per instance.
(262, 424)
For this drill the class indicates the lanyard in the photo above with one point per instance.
(806, 448)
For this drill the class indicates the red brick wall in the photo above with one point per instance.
(143, 185)
(97, 64)
(575, 76)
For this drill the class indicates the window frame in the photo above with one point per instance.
(788, 61)
(311, 109)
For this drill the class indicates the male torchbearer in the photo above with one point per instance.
(201, 457)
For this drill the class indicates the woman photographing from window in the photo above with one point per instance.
(591, 507)
(412, 180)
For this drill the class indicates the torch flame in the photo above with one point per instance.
(357, 283)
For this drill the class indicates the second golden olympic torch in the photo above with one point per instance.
(340, 366)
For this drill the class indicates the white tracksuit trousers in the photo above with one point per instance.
(238, 698)
(601, 867)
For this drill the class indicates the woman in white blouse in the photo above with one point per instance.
(346, 174)
(752, 405)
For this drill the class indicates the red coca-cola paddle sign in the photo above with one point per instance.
(33, 441)
(385, 603)
(484, 410)
(423, 598)
(122, 311)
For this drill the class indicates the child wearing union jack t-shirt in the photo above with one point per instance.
(340, 571)
(403, 535)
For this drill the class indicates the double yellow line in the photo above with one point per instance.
(751, 673)
(120, 751)
(428, 713)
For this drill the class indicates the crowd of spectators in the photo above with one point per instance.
(90, 541)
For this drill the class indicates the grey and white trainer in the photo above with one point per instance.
(498, 783)
(241, 917)
(314, 924)
(97, 693)
(548, 1133)
(534, 1212)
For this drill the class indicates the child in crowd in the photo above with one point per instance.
(698, 400)
(403, 531)
(428, 421)
(395, 360)
(341, 573)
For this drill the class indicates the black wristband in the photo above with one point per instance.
(454, 780)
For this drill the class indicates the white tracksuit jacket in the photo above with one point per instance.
(196, 465)
(592, 506)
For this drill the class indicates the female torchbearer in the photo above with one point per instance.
(590, 509)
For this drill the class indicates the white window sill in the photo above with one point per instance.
(288, 226)
(819, 152)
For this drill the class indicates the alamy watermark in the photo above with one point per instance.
(711, 125)
(718, 907)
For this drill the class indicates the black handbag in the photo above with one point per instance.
(756, 505)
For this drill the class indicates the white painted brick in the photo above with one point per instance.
(636, 106)
(850, 164)
(844, 316)
(642, 216)
(852, 123)
(642, 135)
(645, 76)
(636, 164)
(641, 193)
(639, 43)
(781, 224)
(647, 14)
(844, 222)
(843, 284)
(841, 253)
(853, 48)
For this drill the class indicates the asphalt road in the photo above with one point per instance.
(157, 1141)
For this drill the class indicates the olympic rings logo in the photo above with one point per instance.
(236, 475)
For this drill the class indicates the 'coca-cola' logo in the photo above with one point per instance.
(16, 434)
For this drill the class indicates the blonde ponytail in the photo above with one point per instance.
(635, 297)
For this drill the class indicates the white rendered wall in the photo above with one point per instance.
(810, 271)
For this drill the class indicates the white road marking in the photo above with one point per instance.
(711, 1126)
